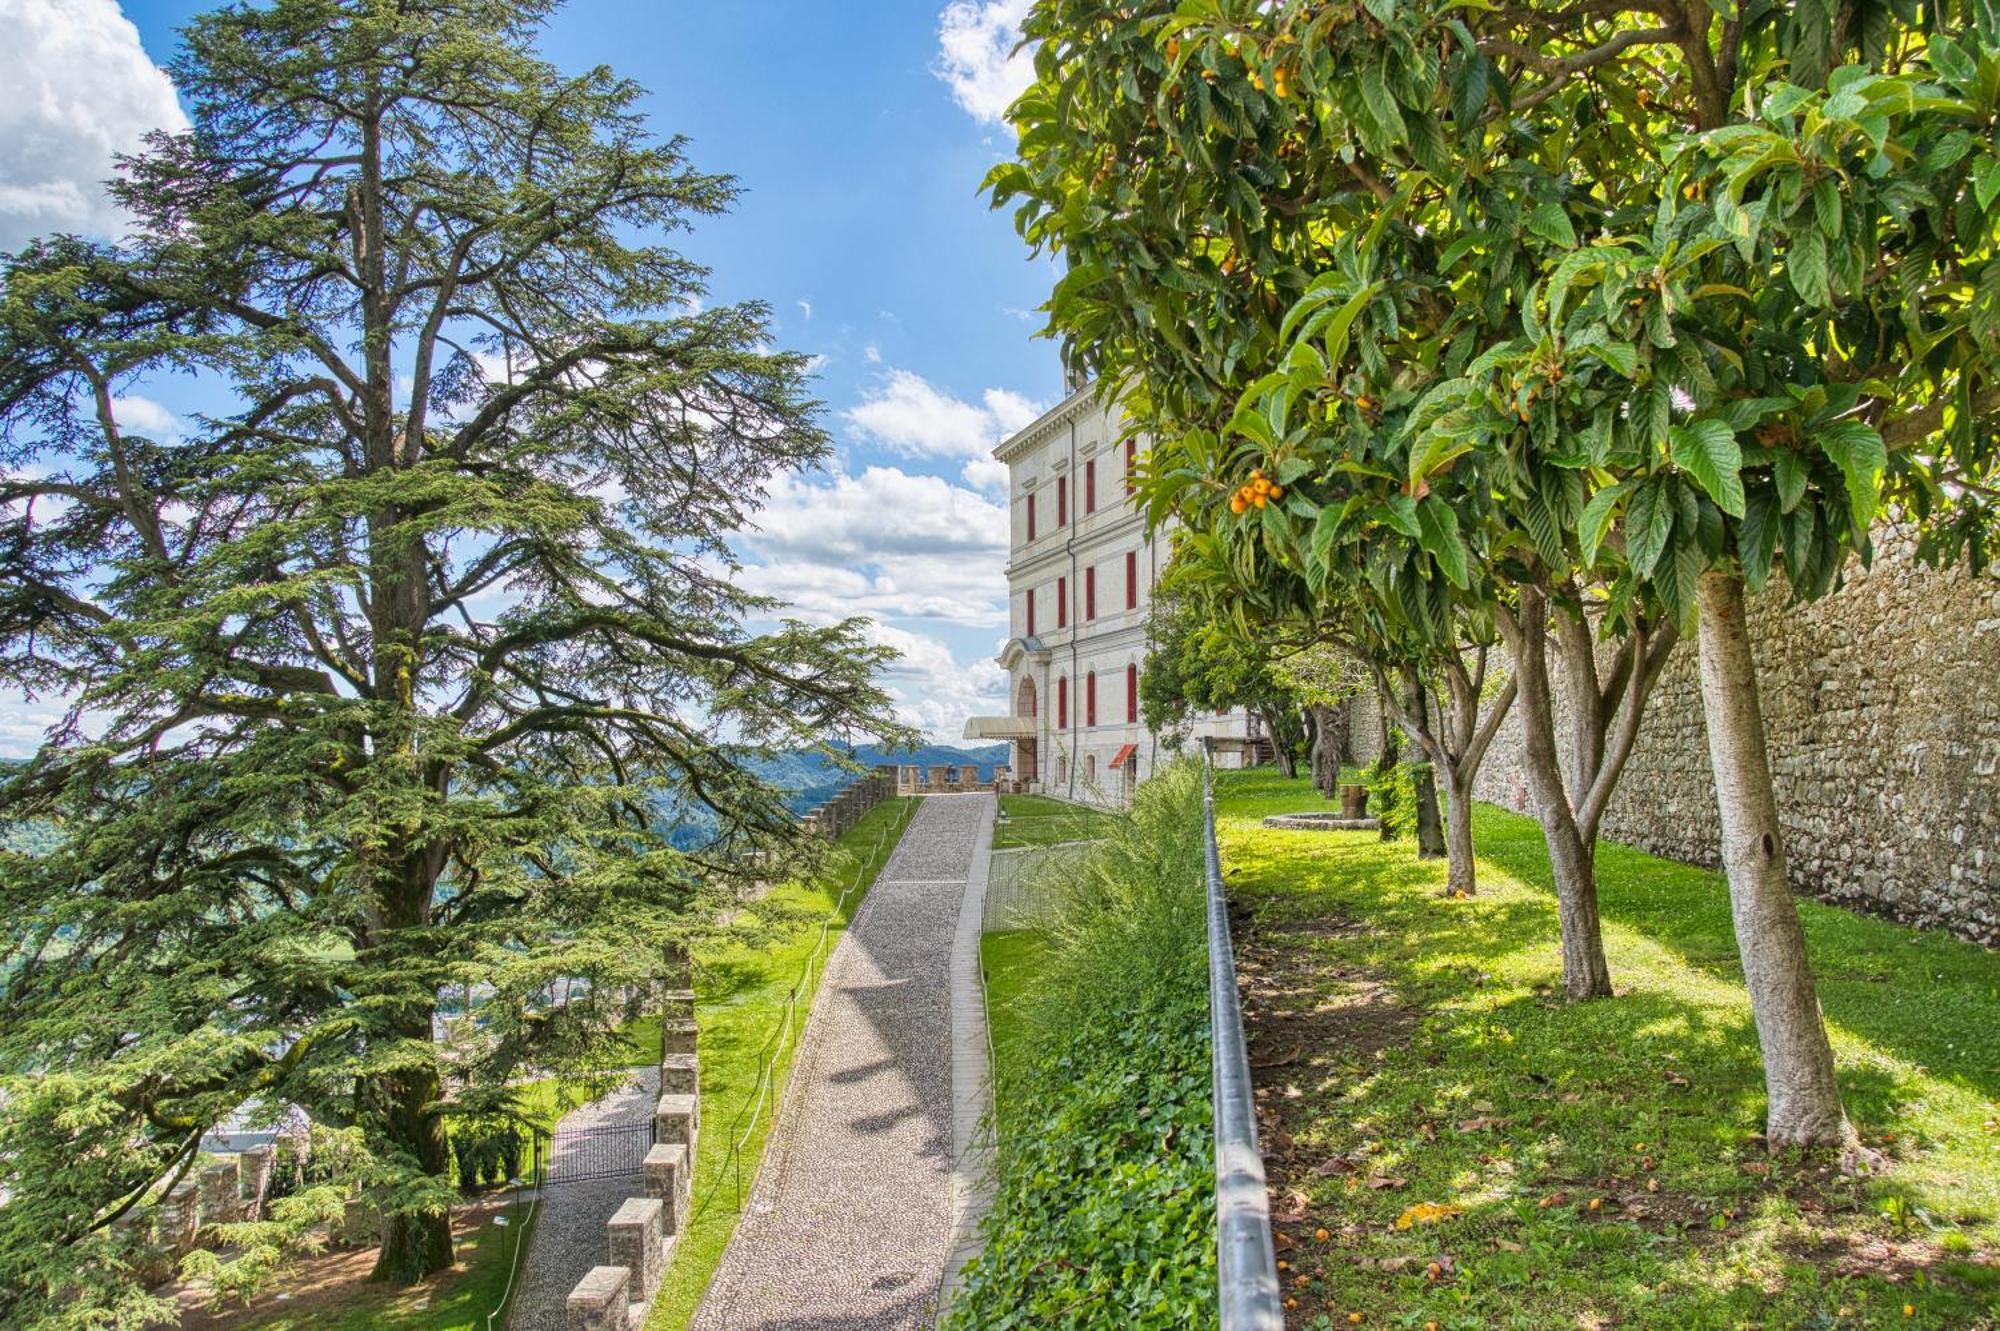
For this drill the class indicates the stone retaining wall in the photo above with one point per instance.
(1882, 708)
(640, 1237)
(840, 813)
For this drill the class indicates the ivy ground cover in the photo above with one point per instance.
(1453, 1145)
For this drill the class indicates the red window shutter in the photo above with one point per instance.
(1031, 517)
(1090, 699)
(1062, 703)
(1090, 593)
(1062, 603)
(1031, 612)
(1062, 501)
(1131, 693)
(1131, 579)
(1090, 486)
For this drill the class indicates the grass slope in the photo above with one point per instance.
(1011, 961)
(741, 983)
(1037, 820)
(1604, 1159)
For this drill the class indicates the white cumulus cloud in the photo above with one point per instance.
(977, 55)
(908, 414)
(76, 88)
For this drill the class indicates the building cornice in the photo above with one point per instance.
(1025, 439)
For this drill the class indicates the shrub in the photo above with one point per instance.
(1392, 797)
(1105, 1207)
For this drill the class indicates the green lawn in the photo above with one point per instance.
(1600, 1164)
(1037, 820)
(740, 986)
(1010, 960)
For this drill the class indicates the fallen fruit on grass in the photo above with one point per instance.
(1433, 1271)
(1597, 1203)
(1354, 1319)
(1426, 1213)
(1321, 1235)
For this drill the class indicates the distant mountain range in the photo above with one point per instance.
(808, 779)
(812, 778)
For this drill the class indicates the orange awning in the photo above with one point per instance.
(1125, 755)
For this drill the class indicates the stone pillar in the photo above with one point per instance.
(221, 1186)
(178, 1219)
(676, 1120)
(599, 1300)
(670, 1179)
(680, 1074)
(679, 1034)
(256, 1165)
(635, 1235)
(677, 1004)
(359, 1224)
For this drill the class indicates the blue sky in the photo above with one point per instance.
(859, 133)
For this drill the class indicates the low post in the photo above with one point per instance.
(635, 1237)
(600, 1299)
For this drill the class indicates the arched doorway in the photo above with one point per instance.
(1024, 749)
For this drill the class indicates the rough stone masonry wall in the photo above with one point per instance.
(1882, 708)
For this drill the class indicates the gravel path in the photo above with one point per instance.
(569, 1235)
(849, 1224)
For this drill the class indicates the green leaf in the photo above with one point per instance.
(1860, 454)
(1402, 515)
(1595, 521)
(1707, 451)
(1805, 265)
(1381, 106)
(1649, 520)
(1438, 533)
(1986, 182)
(1790, 472)
(1757, 540)
(1552, 224)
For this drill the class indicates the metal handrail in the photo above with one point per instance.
(1246, 1258)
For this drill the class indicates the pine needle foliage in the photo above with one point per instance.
(381, 674)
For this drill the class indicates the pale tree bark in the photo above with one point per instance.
(1604, 715)
(1455, 745)
(1805, 1106)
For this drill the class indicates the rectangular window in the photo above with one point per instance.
(1031, 612)
(1090, 486)
(1131, 579)
(1131, 693)
(1090, 699)
(1090, 593)
(1062, 704)
(1062, 603)
(1062, 501)
(1031, 517)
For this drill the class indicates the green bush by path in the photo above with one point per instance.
(740, 985)
(1037, 820)
(1105, 1212)
(1418, 1051)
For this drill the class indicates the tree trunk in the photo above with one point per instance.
(415, 1245)
(1463, 875)
(1430, 827)
(1572, 852)
(1281, 751)
(1805, 1105)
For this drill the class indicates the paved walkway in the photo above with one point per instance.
(569, 1235)
(850, 1224)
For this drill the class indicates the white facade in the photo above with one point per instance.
(1080, 576)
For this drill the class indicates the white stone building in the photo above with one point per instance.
(1080, 575)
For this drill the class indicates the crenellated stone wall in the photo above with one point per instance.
(1882, 708)
(640, 1237)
